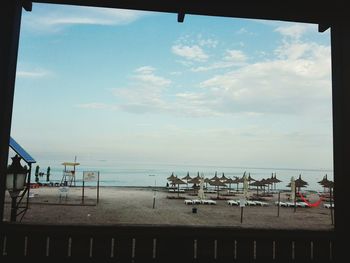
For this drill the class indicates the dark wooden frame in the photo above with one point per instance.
(330, 14)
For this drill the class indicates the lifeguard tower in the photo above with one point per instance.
(68, 178)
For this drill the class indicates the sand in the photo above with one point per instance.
(133, 205)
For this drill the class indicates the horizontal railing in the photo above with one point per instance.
(148, 243)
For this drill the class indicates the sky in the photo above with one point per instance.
(139, 87)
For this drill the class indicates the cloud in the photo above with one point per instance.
(94, 105)
(33, 74)
(48, 18)
(295, 81)
(145, 92)
(195, 52)
(294, 31)
(289, 84)
(232, 58)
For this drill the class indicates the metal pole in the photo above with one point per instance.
(13, 209)
(98, 187)
(331, 204)
(154, 199)
(278, 204)
(241, 214)
(82, 195)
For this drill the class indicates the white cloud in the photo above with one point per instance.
(37, 73)
(194, 52)
(94, 105)
(232, 58)
(144, 94)
(49, 18)
(288, 85)
(294, 31)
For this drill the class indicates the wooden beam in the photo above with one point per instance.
(340, 41)
(310, 11)
(10, 21)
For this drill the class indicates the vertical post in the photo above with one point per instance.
(82, 194)
(278, 204)
(98, 187)
(10, 22)
(331, 204)
(242, 214)
(340, 42)
(154, 199)
(13, 209)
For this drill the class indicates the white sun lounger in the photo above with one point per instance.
(260, 203)
(283, 204)
(233, 202)
(302, 204)
(209, 202)
(328, 205)
(188, 202)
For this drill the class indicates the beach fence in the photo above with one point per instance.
(162, 244)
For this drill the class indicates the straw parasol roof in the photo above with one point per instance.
(171, 177)
(217, 183)
(274, 180)
(299, 183)
(223, 177)
(229, 181)
(258, 184)
(177, 181)
(194, 180)
(187, 177)
(215, 177)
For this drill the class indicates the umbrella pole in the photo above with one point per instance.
(278, 204)
(331, 202)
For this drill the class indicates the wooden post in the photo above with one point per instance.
(278, 204)
(10, 23)
(98, 187)
(340, 42)
(83, 188)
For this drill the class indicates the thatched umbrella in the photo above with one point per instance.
(217, 183)
(215, 177)
(299, 183)
(178, 181)
(195, 181)
(206, 181)
(325, 182)
(171, 177)
(223, 178)
(237, 180)
(187, 178)
(229, 181)
(250, 179)
(274, 180)
(258, 184)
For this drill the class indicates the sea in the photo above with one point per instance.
(155, 175)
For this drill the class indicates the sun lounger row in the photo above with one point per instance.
(291, 204)
(199, 201)
(248, 203)
(175, 190)
(328, 205)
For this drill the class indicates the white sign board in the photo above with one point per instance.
(90, 176)
(242, 202)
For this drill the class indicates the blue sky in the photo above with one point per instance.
(139, 87)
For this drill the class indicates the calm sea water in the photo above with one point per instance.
(112, 174)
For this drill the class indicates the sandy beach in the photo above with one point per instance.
(134, 205)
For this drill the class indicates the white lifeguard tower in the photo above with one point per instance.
(68, 177)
